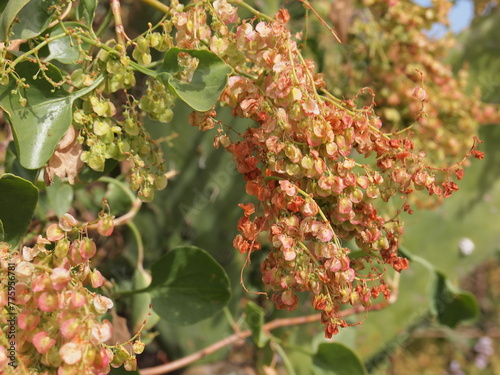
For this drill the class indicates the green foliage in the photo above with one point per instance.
(34, 18)
(39, 115)
(451, 305)
(8, 12)
(67, 49)
(97, 85)
(337, 359)
(187, 286)
(207, 83)
(86, 10)
(60, 196)
(18, 199)
(13, 166)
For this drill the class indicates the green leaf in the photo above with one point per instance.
(141, 301)
(13, 166)
(60, 196)
(39, 125)
(450, 305)
(188, 286)
(18, 199)
(8, 11)
(86, 10)
(33, 19)
(66, 49)
(1, 231)
(337, 359)
(209, 78)
(254, 318)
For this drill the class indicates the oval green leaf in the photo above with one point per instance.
(33, 18)
(188, 286)
(8, 12)
(450, 305)
(66, 49)
(18, 199)
(86, 10)
(13, 166)
(337, 359)
(207, 83)
(60, 196)
(39, 125)
(141, 301)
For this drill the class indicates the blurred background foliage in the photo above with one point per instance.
(200, 207)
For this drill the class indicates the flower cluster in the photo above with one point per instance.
(303, 160)
(62, 323)
(385, 45)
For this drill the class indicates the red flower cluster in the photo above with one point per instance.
(303, 162)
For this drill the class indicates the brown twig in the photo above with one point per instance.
(274, 324)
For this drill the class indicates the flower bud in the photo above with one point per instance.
(54, 232)
(105, 226)
(101, 332)
(62, 247)
(102, 304)
(47, 302)
(130, 363)
(70, 353)
(138, 347)
(69, 328)
(28, 321)
(96, 279)
(67, 222)
(42, 342)
(120, 354)
(87, 248)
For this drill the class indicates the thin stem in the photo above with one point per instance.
(286, 361)
(117, 16)
(104, 23)
(156, 4)
(120, 185)
(136, 203)
(304, 247)
(277, 323)
(140, 245)
(230, 319)
(36, 49)
(252, 10)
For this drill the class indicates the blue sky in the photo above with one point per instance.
(460, 16)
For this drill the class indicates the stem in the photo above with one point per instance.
(35, 49)
(121, 185)
(104, 24)
(140, 245)
(230, 319)
(286, 361)
(252, 10)
(136, 203)
(274, 324)
(156, 4)
(117, 16)
(304, 247)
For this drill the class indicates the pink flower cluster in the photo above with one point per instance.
(61, 328)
